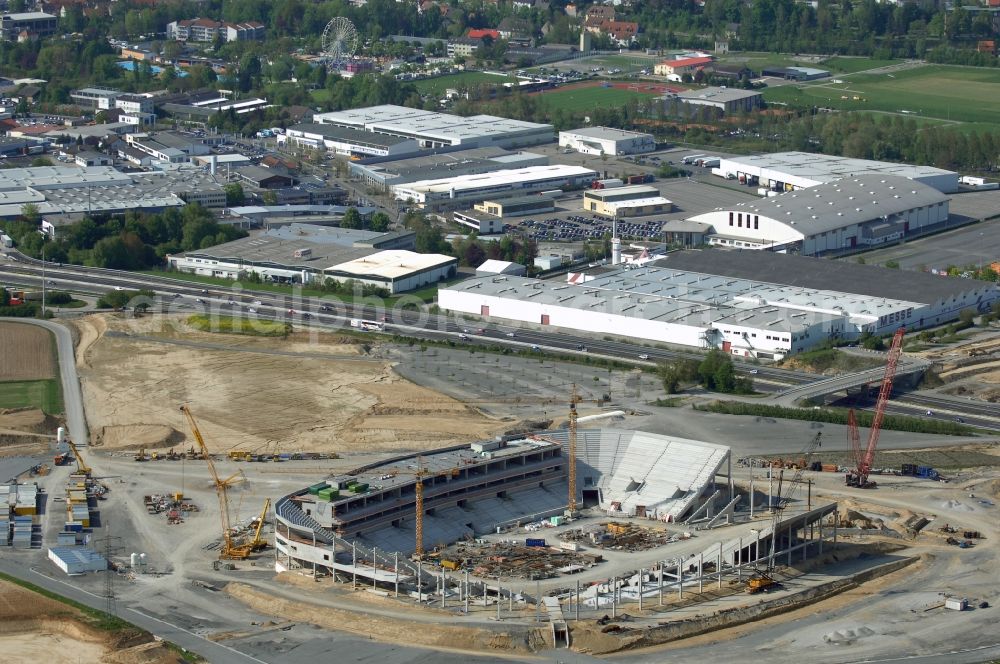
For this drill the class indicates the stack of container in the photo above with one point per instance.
(26, 503)
(77, 506)
(4, 529)
(23, 526)
(66, 538)
(316, 488)
(78, 514)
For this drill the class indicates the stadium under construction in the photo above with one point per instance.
(364, 525)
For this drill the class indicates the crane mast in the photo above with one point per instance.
(859, 476)
(229, 549)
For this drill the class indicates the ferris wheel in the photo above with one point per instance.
(340, 41)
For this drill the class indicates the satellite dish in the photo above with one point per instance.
(340, 41)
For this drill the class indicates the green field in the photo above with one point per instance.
(582, 99)
(844, 65)
(955, 94)
(436, 86)
(248, 326)
(45, 394)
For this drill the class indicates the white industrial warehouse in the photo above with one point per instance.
(348, 141)
(750, 304)
(866, 210)
(454, 192)
(395, 270)
(433, 130)
(605, 140)
(785, 171)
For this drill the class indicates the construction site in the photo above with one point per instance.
(566, 518)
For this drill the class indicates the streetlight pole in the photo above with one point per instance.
(43, 280)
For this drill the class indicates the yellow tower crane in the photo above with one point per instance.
(571, 504)
(231, 550)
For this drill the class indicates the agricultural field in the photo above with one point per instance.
(436, 86)
(951, 94)
(583, 97)
(28, 352)
(28, 374)
(848, 65)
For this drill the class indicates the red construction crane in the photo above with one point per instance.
(859, 476)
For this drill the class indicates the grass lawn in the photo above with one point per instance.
(582, 99)
(842, 65)
(249, 326)
(436, 86)
(44, 394)
(963, 94)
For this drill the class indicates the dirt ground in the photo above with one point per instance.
(389, 629)
(34, 628)
(310, 392)
(27, 352)
(26, 431)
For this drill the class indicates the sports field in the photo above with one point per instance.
(437, 86)
(955, 94)
(578, 98)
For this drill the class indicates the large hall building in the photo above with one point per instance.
(747, 303)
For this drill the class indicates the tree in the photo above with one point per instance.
(269, 198)
(967, 316)
(29, 212)
(234, 194)
(380, 222)
(41, 161)
(351, 219)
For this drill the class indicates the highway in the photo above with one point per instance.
(180, 296)
(334, 312)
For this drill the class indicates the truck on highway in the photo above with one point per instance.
(367, 325)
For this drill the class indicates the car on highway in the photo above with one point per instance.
(480, 330)
(325, 307)
(463, 337)
(644, 356)
(753, 372)
(930, 412)
(535, 347)
(510, 334)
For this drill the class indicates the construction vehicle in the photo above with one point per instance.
(141, 455)
(81, 466)
(863, 459)
(763, 580)
(231, 549)
(256, 543)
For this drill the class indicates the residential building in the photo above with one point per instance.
(206, 30)
(678, 68)
(95, 99)
(32, 25)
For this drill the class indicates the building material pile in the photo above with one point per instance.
(531, 560)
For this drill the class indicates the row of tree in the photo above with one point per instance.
(715, 373)
(135, 241)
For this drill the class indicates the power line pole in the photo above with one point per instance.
(110, 607)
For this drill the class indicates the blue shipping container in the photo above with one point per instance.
(534, 542)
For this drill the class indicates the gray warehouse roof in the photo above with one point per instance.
(843, 203)
(825, 168)
(721, 95)
(820, 273)
(605, 133)
(347, 134)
